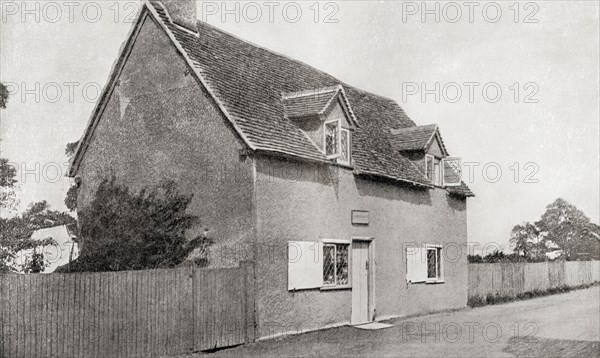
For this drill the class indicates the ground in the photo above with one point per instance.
(563, 325)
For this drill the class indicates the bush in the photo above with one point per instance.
(492, 299)
(476, 301)
(121, 230)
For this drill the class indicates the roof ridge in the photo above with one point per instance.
(396, 131)
(277, 53)
(320, 90)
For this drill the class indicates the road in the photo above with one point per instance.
(563, 325)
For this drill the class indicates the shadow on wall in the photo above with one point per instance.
(456, 203)
(393, 191)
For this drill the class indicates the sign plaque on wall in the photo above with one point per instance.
(360, 217)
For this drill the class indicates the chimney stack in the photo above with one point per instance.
(182, 12)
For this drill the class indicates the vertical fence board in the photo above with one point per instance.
(130, 314)
(513, 279)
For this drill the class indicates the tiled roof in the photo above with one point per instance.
(250, 83)
(415, 138)
(462, 190)
(308, 103)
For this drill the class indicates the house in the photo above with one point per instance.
(64, 250)
(350, 211)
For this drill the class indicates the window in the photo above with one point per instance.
(332, 145)
(429, 159)
(424, 264)
(433, 169)
(434, 265)
(436, 172)
(345, 147)
(335, 264)
(337, 142)
(443, 172)
(452, 172)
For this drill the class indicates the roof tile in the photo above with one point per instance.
(252, 84)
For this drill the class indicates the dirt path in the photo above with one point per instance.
(564, 325)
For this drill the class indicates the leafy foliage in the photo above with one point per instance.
(121, 230)
(15, 234)
(71, 199)
(527, 242)
(570, 229)
(562, 227)
(496, 256)
(70, 149)
(36, 264)
(8, 174)
(3, 96)
(8, 181)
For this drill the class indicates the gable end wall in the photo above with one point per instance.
(160, 123)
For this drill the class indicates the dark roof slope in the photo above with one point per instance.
(302, 104)
(250, 82)
(413, 138)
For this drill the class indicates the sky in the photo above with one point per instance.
(514, 88)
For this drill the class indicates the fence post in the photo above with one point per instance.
(249, 301)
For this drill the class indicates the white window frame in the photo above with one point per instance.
(443, 163)
(348, 146)
(427, 156)
(339, 146)
(437, 175)
(439, 254)
(333, 242)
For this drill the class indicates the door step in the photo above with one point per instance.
(374, 326)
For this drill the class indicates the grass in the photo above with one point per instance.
(493, 299)
(541, 347)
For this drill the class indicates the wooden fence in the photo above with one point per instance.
(511, 279)
(126, 314)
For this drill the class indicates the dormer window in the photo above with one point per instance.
(433, 169)
(443, 172)
(337, 142)
(324, 114)
(344, 147)
(332, 139)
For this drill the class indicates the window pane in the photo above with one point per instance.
(432, 263)
(436, 172)
(342, 265)
(345, 153)
(328, 264)
(439, 262)
(429, 167)
(331, 138)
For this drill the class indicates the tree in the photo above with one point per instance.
(73, 192)
(8, 173)
(3, 96)
(15, 232)
(121, 230)
(8, 181)
(526, 241)
(494, 257)
(566, 226)
(562, 226)
(587, 246)
(15, 235)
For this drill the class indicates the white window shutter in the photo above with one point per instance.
(305, 265)
(451, 171)
(416, 265)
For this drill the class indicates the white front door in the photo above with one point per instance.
(361, 266)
